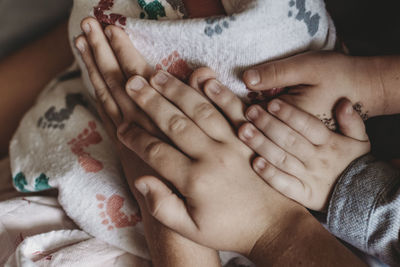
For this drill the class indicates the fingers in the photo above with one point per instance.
(286, 184)
(291, 71)
(178, 127)
(305, 124)
(108, 123)
(100, 86)
(166, 160)
(108, 79)
(270, 151)
(107, 63)
(280, 133)
(195, 106)
(349, 122)
(200, 76)
(230, 105)
(166, 206)
(131, 61)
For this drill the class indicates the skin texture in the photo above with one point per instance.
(316, 89)
(37, 64)
(260, 219)
(312, 156)
(167, 248)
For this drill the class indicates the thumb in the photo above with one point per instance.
(166, 206)
(292, 71)
(350, 123)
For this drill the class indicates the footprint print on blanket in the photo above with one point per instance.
(153, 9)
(100, 10)
(86, 138)
(175, 65)
(216, 26)
(111, 213)
(56, 119)
(311, 21)
(41, 183)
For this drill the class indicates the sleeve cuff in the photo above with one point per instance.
(355, 197)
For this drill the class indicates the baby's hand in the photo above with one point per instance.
(315, 81)
(299, 156)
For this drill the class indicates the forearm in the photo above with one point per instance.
(25, 73)
(169, 249)
(301, 242)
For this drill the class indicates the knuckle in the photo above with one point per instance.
(276, 72)
(290, 140)
(281, 159)
(268, 172)
(225, 99)
(155, 206)
(153, 150)
(204, 111)
(102, 95)
(178, 124)
(264, 123)
(92, 72)
(142, 98)
(306, 126)
(112, 81)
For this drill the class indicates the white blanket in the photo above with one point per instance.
(61, 143)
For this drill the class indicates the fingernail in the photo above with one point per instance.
(248, 133)
(274, 106)
(214, 87)
(108, 33)
(260, 164)
(86, 28)
(252, 113)
(161, 78)
(142, 188)
(253, 77)
(349, 109)
(135, 84)
(80, 45)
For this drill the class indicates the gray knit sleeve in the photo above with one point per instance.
(365, 208)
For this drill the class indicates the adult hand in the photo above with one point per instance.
(109, 77)
(307, 239)
(316, 81)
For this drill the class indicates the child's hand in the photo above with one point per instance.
(318, 80)
(226, 205)
(312, 157)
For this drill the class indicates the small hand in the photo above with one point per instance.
(311, 156)
(298, 155)
(316, 81)
(226, 206)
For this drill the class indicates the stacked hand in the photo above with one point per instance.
(316, 81)
(222, 203)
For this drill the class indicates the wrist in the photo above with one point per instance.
(369, 93)
(301, 240)
(388, 72)
(274, 241)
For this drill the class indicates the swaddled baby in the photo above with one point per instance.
(61, 143)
